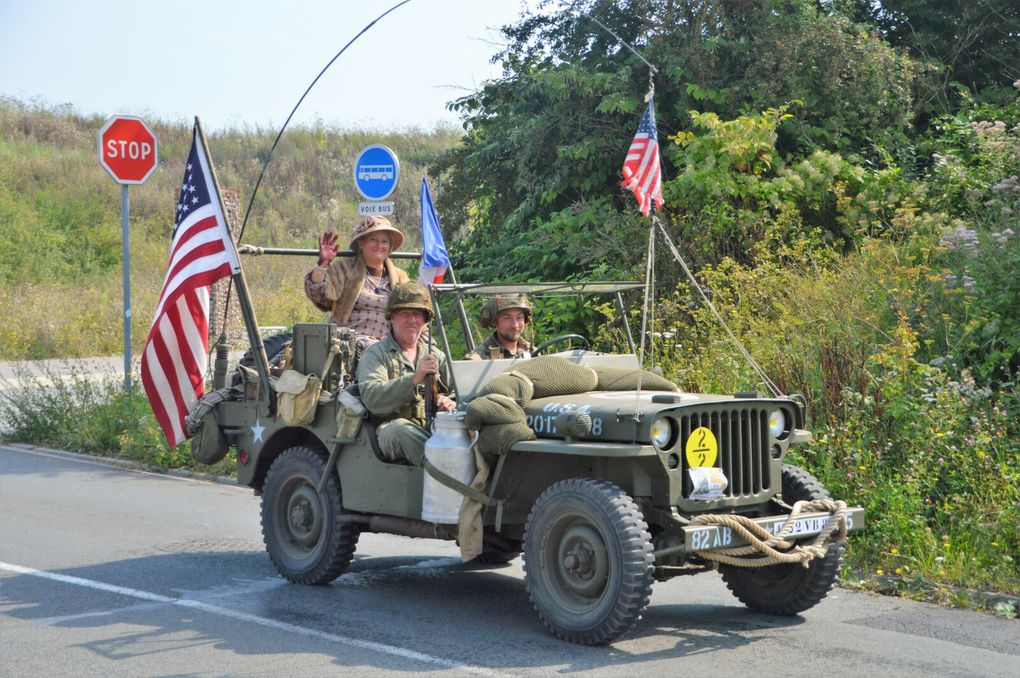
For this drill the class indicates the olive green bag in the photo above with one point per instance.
(297, 395)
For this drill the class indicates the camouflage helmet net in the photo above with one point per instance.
(409, 295)
(501, 302)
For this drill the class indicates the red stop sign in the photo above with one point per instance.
(128, 149)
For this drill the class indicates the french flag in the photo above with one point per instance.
(434, 259)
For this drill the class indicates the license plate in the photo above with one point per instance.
(712, 537)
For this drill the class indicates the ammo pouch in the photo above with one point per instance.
(297, 397)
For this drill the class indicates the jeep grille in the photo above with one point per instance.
(743, 438)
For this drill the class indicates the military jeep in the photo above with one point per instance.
(617, 489)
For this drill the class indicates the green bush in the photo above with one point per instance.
(67, 407)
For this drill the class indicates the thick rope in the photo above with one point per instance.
(775, 549)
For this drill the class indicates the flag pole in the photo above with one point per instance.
(649, 264)
(243, 297)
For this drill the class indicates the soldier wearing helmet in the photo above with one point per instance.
(391, 376)
(508, 315)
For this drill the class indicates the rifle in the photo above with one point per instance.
(431, 394)
(431, 388)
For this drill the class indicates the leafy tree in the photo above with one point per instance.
(973, 44)
(546, 142)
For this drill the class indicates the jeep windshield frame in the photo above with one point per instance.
(459, 291)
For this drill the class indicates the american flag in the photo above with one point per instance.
(641, 171)
(201, 252)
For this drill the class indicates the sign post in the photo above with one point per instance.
(376, 172)
(128, 150)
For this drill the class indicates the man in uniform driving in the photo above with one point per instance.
(507, 315)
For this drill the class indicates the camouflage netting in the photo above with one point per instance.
(498, 412)
(623, 379)
(554, 376)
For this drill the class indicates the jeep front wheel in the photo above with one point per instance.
(788, 588)
(588, 563)
(301, 528)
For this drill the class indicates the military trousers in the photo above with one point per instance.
(403, 441)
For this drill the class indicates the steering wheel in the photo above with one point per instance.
(556, 340)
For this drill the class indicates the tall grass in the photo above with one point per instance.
(60, 266)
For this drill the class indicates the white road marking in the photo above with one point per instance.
(250, 618)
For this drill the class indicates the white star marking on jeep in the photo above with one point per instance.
(257, 430)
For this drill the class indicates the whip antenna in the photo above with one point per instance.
(244, 222)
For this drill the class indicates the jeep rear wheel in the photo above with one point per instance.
(304, 537)
(588, 561)
(789, 588)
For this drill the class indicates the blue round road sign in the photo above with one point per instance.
(376, 172)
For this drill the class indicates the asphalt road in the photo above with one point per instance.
(111, 572)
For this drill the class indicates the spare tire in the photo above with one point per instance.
(273, 344)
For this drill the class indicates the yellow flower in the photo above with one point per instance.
(942, 573)
(879, 572)
(899, 570)
(861, 468)
(895, 550)
(995, 543)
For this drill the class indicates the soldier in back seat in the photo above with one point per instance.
(508, 315)
(391, 376)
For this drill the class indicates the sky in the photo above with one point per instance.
(246, 63)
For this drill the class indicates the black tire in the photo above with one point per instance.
(273, 344)
(789, 588)
(301, 528)
(588, 563)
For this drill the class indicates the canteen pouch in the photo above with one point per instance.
(349, 415)
(297, 397)
(209, 446)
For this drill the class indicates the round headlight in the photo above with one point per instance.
(662, 431)
(777, 423)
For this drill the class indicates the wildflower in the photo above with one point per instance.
(959, 237)
(899, 570)
(895, 551)
(879, 572)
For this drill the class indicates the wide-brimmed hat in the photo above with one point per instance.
(374, 224)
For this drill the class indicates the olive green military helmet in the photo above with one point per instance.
(409, 295)
(502, 302)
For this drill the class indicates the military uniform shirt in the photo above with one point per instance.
(485, 351)
(384, 379)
